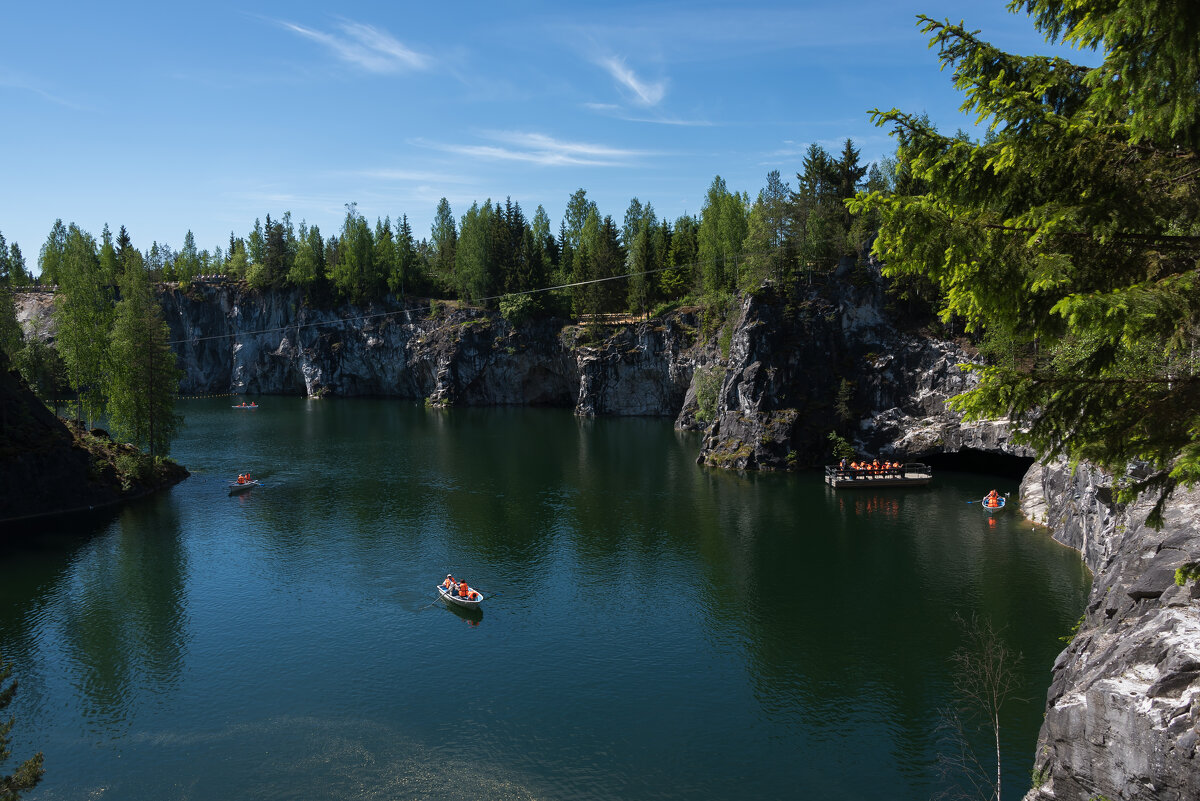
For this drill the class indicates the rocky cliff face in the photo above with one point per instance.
(247, 342)
(790, 361)
(1123, 711)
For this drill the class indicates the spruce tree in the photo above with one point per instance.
(444, 239)
(1070, 233)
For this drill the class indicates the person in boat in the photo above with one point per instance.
(450, 584)
(992, 499)
(242, 478)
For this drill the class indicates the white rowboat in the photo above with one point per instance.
(235, 487)
(466, 603)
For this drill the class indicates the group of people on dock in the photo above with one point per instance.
(871, 469)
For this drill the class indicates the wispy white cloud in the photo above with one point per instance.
(619, 113)
(10, 80)
(645, 93)
(364, 46)
(410, 176)
(536, 148)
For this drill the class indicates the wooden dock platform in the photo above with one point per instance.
(911, 474)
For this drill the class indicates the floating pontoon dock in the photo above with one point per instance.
(911, 474)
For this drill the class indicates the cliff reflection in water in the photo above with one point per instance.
(798, 636)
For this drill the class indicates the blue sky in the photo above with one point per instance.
(166, 117)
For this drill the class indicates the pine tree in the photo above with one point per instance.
(682, 257)
(16, 266)
(125, 249)
(444, 240)
(406, 276)
(1070, 234)
(188, 263)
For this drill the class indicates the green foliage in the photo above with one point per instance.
(725, 339)
(42, 368)
(132, 468)
(840, 448)
(708, 388)
(28, 773)
(83, 317)
(1186, 573)
(721, 236)
(1068, 236)
(11, 338)
(473, 275)
(518, 309)
(144, 380)
(1069, 637)
(845, 397)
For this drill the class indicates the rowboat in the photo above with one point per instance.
(245, 406)
(236, 487)
(992, 509)
(467, 603)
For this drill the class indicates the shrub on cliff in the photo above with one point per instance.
(518, 309)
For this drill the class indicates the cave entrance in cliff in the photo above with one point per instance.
(973, 461)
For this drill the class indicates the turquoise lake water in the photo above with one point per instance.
(658, 630)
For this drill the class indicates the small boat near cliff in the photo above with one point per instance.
(471, 602)
(241, 486)
(992, 505)
(245, 406)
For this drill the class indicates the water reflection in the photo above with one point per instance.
(627, 586)
(122, 613)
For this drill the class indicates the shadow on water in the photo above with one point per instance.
(472, 617)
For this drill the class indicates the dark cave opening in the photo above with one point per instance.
(986, 462)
